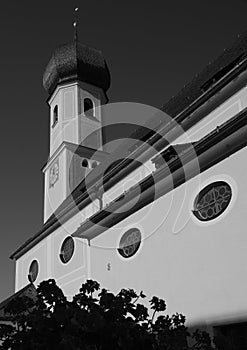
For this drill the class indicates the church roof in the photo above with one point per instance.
(75, 61)
(27, 291)
(82, 151)
(182, 161)
(212, 73)
(216, 75)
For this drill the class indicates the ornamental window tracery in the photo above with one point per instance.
(212, 201)
(130, 243)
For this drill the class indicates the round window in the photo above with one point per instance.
(33, 271)
(130, 243)
(67, 250)
(94, 164)
(212, 201)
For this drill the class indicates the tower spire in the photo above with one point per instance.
(75, 24)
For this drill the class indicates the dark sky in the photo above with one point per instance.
(152, 48)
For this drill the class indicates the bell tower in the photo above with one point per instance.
(76, 79)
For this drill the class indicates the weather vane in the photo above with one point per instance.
(75, 24)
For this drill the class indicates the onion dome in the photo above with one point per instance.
(75, 61)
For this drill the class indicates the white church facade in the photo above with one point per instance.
(165, 213)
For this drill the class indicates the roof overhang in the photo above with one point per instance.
(216, 146)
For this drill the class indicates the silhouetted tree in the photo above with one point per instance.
(95, 319)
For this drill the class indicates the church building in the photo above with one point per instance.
(165, 211)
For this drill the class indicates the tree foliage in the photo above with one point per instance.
(95, 319)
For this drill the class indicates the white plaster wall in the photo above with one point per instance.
(56, 194)
(70, 113)
(71, 174)
(69, 276)
(95, 94)
(221, 114)
(39, 253)
(131, 180)
(66, 97)
(198, 268)
(56, 130)
(75, 171)
(89, 125)
(71, 118)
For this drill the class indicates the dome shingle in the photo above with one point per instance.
(75, 61)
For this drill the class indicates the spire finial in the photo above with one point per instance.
(75, 24)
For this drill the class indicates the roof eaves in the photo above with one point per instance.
(173, 107)
(19, 293)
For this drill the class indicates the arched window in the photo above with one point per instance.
(94, 164)
(55, 115)
(130, 243)
(84, 163)
(212, 201)
(33, 271)
(89, 107)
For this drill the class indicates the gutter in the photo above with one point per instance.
(167, 133)
(210, 150)
(200, 108)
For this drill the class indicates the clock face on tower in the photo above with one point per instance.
(54, 173)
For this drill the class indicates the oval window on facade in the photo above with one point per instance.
(130, 243)
(67, 250)
(212, 201)
(33, 271)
